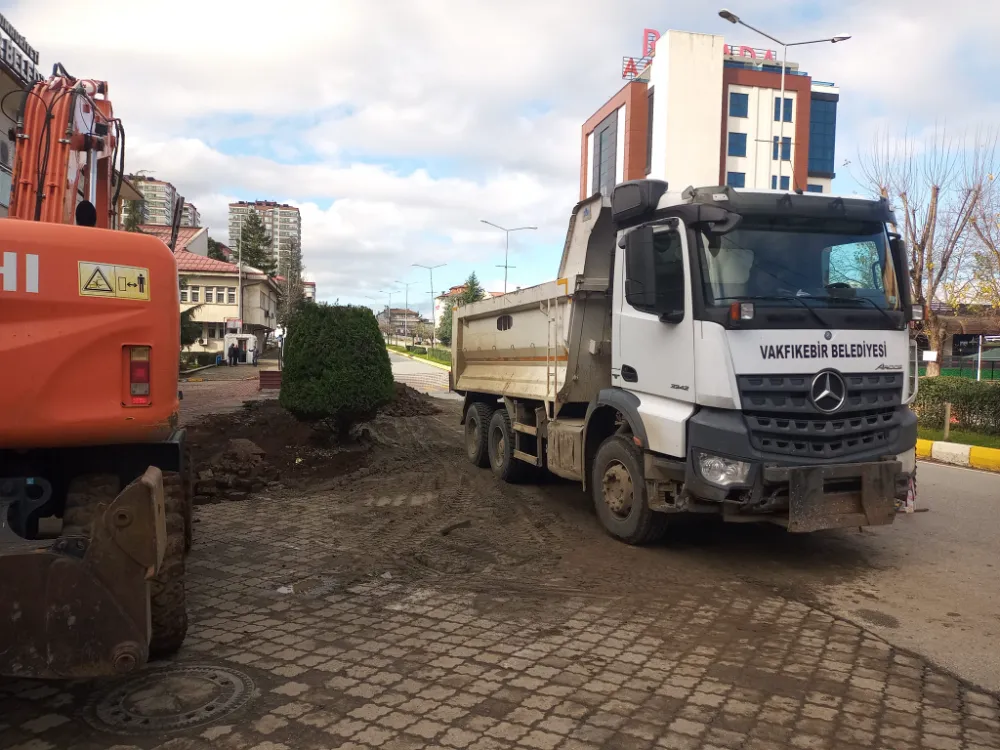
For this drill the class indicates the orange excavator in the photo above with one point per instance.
(95, 484)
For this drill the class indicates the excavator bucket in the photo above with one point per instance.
(78, 606)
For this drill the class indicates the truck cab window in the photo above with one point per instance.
(829, 260)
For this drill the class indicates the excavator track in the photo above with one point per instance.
(168, 608)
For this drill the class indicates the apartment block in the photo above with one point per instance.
(282, 222)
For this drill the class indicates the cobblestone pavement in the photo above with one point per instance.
(218, 397)
(424, 605)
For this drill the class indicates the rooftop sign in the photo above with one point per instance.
(17, 55)
(632, 67)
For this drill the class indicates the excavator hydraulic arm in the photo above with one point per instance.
(67, 142)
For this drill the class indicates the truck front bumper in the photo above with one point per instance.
(800, 494)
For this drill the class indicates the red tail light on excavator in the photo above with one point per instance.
(138, 371)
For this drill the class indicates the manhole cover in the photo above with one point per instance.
(167, 700)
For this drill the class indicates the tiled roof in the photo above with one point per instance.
(184, 234)
(199, 263)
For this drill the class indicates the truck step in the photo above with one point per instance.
(527, 429)
(526, 457)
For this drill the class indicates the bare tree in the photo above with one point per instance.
(986, 229)
(936, 185)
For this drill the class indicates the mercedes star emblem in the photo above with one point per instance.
(828, 391)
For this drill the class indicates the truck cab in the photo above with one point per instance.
(742, 353)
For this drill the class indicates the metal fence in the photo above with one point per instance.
(965, 367)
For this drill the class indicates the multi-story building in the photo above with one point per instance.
(215, 285)
(18, 71)
(703, 112)
(159, 198)
(399, 321)
(191, 217)
(282, 222)
(309, 290)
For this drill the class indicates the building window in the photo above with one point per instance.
(814, 188)
(184, 295)
(649, 135)
(196, 294)
(220, 295)
(774, 182)
(737, 144)
(231, 295)
(736, 179)
(822, 136)
(786, 148)
(788, 109)
(209, 294)
(739, 104)
(605, 145)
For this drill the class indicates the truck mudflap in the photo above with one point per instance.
(78, 606)
(838, 495)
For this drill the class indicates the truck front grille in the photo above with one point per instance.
(783, 420)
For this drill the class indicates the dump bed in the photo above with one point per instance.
(550, 342)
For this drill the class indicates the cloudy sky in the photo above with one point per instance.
(396, 125)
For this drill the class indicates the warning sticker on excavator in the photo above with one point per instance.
(113, 282)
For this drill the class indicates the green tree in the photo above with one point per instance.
(290, 291)
(135, 215)
(472, 292)
(190, 328)
(335, 365)
(215, 250)
(254, 246)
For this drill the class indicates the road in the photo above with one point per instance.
(416, 602)
(419, 375)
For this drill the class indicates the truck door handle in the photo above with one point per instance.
(629, 375)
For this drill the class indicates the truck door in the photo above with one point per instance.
(654, 359)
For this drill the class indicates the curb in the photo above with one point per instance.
(438, 365)
(955, 454)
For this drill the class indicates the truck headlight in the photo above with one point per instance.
(722, 472)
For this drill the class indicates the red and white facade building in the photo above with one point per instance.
(698, 111)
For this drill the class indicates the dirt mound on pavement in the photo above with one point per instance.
(263, 447)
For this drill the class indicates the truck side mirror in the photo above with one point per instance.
(640, 269)
(902, 267)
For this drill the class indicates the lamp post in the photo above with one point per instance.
(735, 19)
(430, 269)
(506, 247)
(388, 312)
(406, 304)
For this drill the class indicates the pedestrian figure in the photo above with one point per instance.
(232, 355)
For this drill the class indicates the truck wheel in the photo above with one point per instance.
(167, 602)
(477, 424)
(619, 489)
(501, 449)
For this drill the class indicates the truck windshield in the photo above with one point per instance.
(828, 262)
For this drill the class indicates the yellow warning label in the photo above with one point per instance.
(113, 282)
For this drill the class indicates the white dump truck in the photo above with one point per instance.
(716, 350)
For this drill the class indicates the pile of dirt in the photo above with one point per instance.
(408, 403)
(264, 447)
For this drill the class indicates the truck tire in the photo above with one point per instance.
(619, 489)
(167, 600)
(477, 425)
(501, 450)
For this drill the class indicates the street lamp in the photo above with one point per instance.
(433, 318)
(735, 19)
(406, 304)
(506, 247)
(388, 311)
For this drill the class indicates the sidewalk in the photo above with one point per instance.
(956, 454)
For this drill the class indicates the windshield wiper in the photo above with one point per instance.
(786, 297)
(834, 298)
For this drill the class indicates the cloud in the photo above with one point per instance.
(395, 127)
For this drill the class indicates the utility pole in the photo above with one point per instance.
(406, 304)
(430, 269)
(506, 247)
(735, 19)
